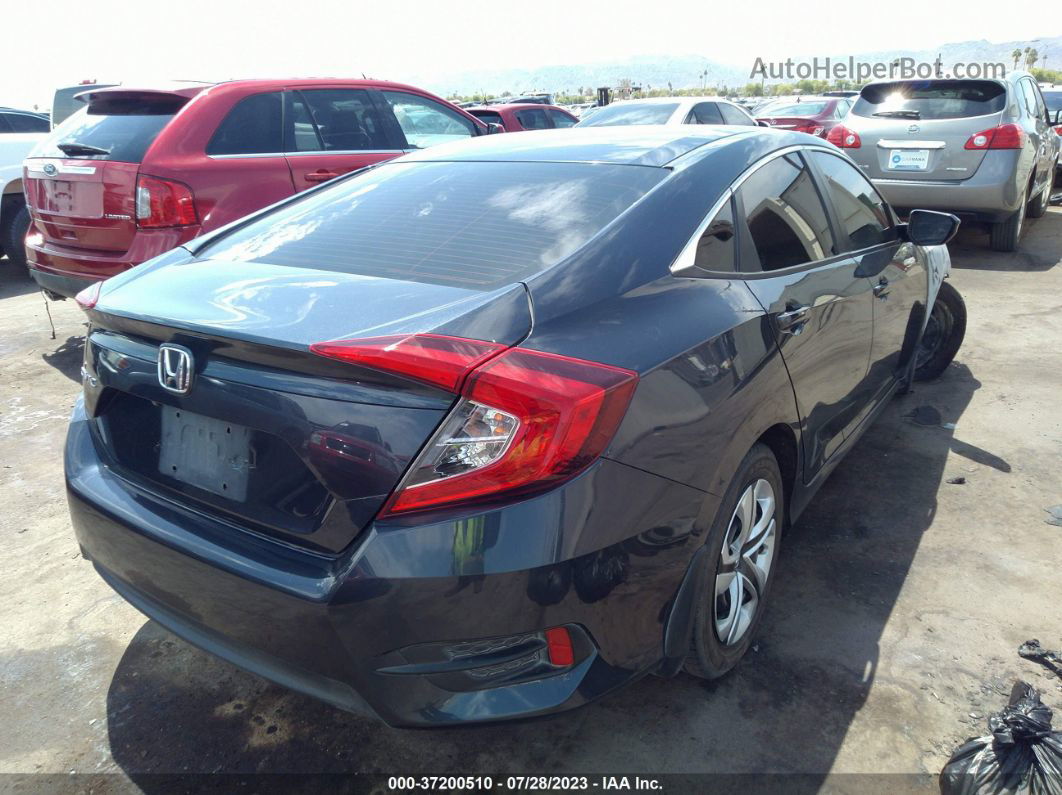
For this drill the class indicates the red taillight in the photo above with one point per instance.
(431, 358)
(527, 420)
(844, 138)
(88, 298)
(164, 202)
(1005, 136)
(559, 645)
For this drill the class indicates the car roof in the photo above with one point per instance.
(644, 145)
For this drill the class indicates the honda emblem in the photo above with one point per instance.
(175, 368)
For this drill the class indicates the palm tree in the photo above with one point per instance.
(1016, 55)
(1031, 58)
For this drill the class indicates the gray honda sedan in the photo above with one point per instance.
(983, 149)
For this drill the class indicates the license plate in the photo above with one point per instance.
(210, 454)
(909, 159)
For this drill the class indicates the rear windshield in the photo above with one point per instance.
(111, 129)
(466, 224)
(489, 116)
(793, 109)
(931, 99)
(631, 113)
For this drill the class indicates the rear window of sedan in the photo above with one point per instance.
(631, 113)
(931, 99)
(479, 225)
(793, 109)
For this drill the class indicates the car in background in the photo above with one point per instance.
(983, 149)
(668, 110)
(491, 430)
(1053, 100)
(141, 170)
(13, 120)
(811, 115)
(840, 93)
(65, 101)
(14, 215)
(524, 116)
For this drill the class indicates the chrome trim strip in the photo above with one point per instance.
(905, 144)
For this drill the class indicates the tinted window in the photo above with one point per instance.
(4, 126)
(859, 208)
(425, 122)
(488, 116)
(473, 224)
(792, 109)
(732, 115)
(1033, 102)
(252, 127)
(23, 122)
(785, 216)
(631, 113)
(716, 249)
(1053, 99)
(932, 99)
(123, 128)
(534, 119)
(704, 113)
(344, 120)
(561, 119)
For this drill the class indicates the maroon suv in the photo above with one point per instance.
(146, 169)
(812, 115)
(524, 116)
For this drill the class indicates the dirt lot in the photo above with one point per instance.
(899, 606)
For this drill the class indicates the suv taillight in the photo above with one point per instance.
(844, 138)
(164, 202)
(1005, 136)
(526, 420)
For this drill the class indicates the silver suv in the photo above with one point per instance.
(983, 149)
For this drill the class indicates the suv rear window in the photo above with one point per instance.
(123, 127)
(478, 225)
(631, 113)
(931, 99)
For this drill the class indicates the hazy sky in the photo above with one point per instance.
(50, 43)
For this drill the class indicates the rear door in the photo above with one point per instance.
(898, 278)
(1039, 130)
(917, 130)
(333, 131)
(561, 118)
(80, 182)
(820, 307)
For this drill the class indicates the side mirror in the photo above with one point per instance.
(494, 127)
(929, 228)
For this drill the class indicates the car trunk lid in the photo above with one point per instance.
(269, 436)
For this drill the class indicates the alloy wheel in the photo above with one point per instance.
(745, 562)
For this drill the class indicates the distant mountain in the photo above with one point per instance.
(686, 71)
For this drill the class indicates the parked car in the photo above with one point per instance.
(141, 170)
(812, 115)
(14, 216)
(983, 149)
(524, 116)
(1053, 100)
(489, 430)
(13, 120)
(668, 110)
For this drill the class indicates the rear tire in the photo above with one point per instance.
(743, 546)
(1038, 206)
(943, 336)
(13, 233)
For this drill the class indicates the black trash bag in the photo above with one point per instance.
(1021, 755)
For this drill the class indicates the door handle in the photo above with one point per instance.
(881, 289)
(793, 320)
(320, 176)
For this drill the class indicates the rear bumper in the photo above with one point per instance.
(992, 194)
(327, 625)
(66, 271)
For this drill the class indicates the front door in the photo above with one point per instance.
(820, 308)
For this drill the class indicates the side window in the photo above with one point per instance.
(704, 113)
(860, 210)
(4, 126)
(1027, 89)
(785, 216)
(1041, 105)
(561, 119)
(732, 115)
(21, 122)
(717, 247)
(841, 110)
(426, 122)
(253, 126)
(532, 119)
(342, 118)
